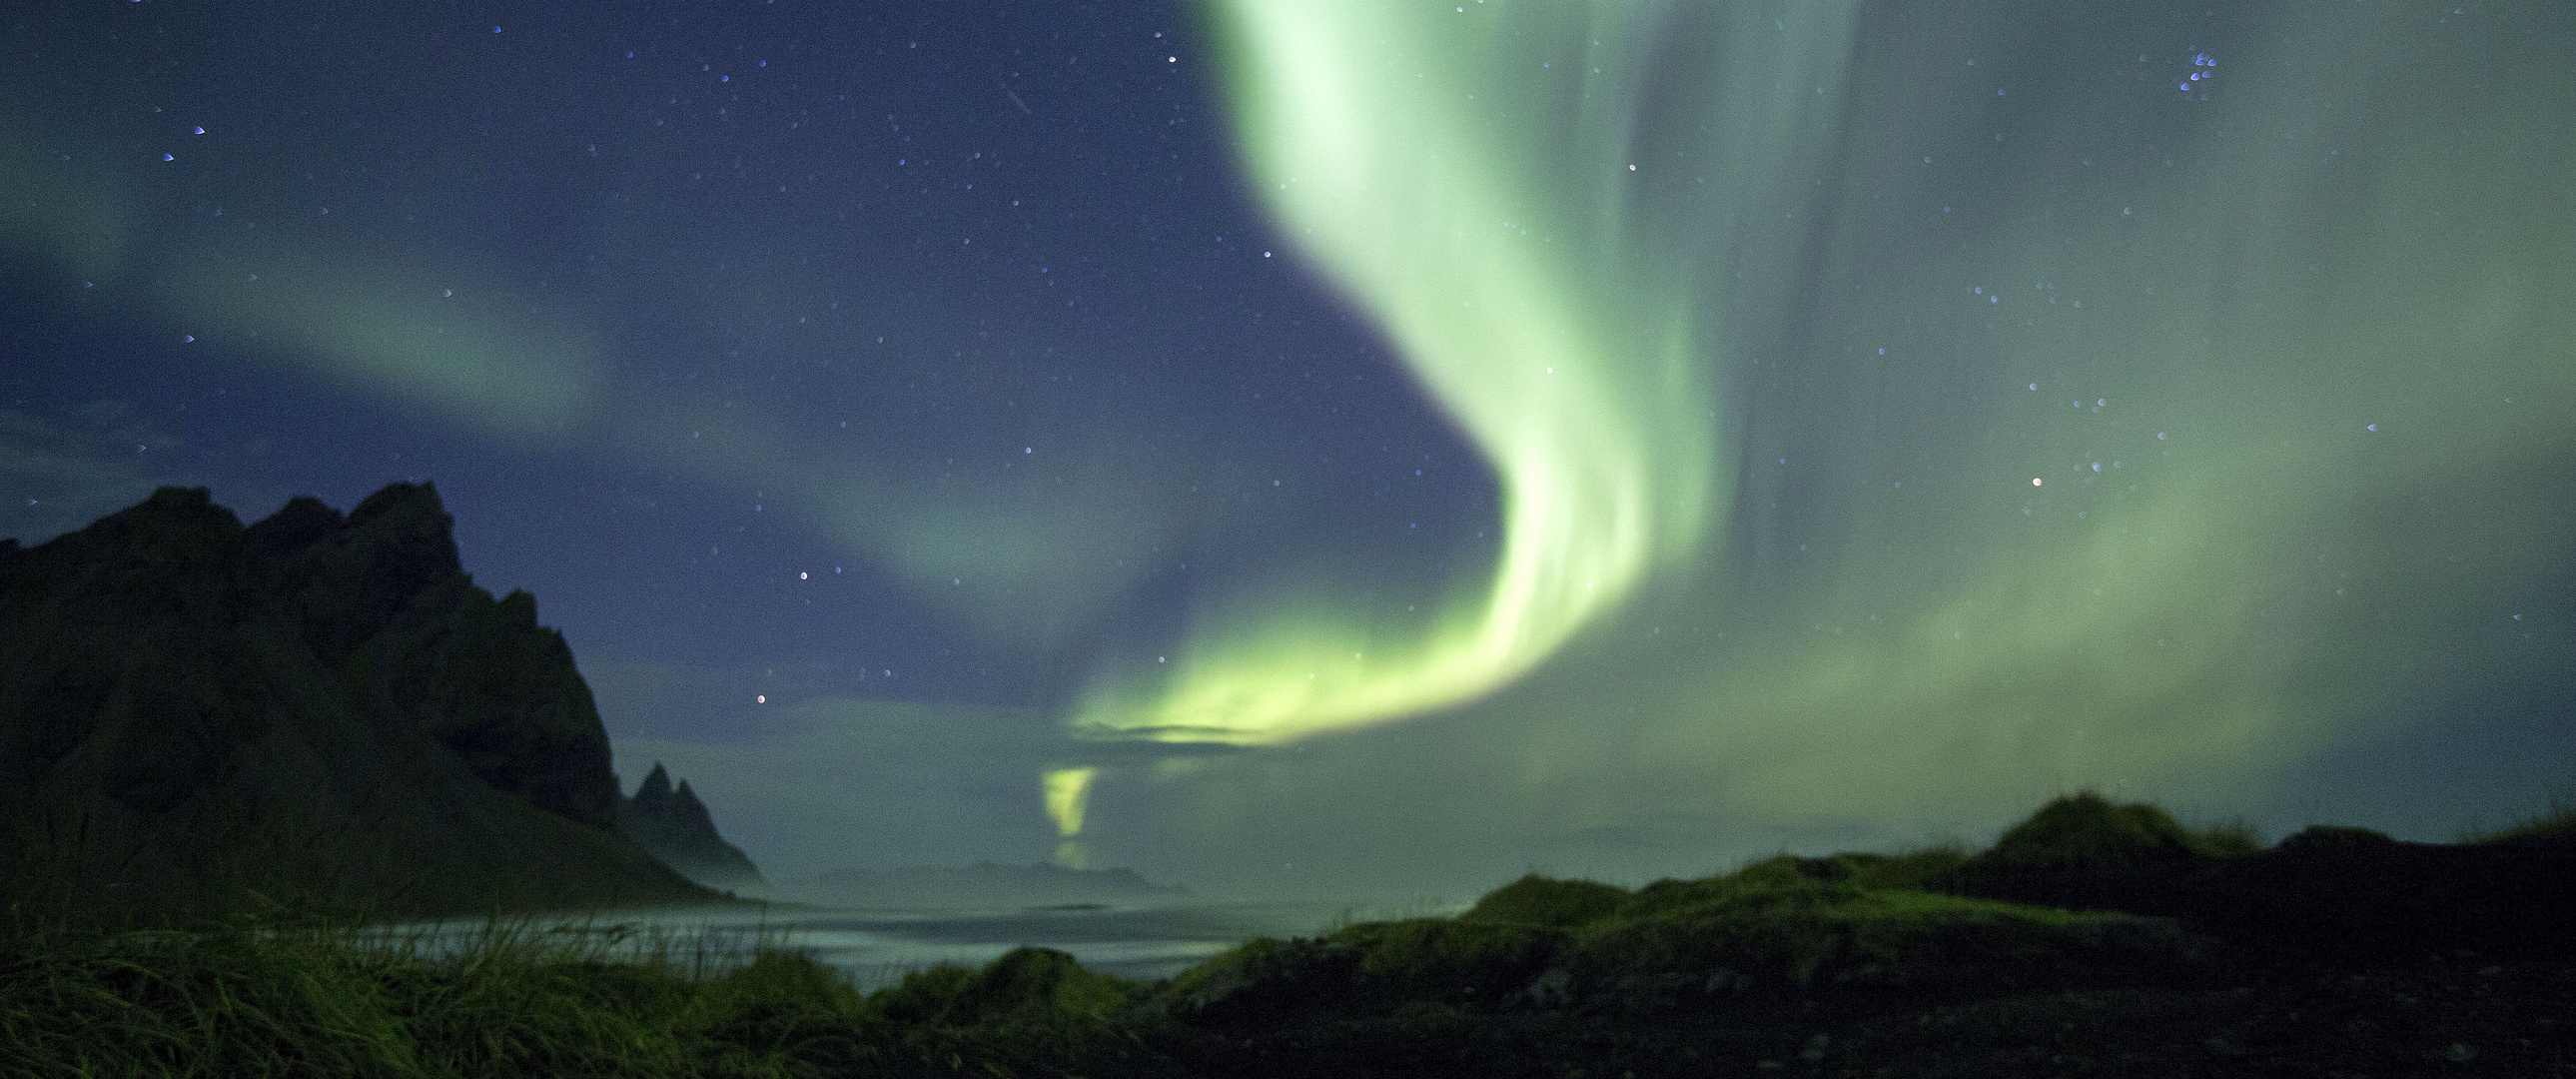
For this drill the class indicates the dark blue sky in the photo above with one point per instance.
(931, 251)
(1471, 436)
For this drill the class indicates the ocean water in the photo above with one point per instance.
(875, 948)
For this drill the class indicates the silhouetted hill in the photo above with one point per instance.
(674, 826)
(2092, 939)
(2326, 893)
(983, 885)
(314, 711)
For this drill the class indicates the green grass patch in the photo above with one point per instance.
(1787, 922)
(1374, 966)
(513, 1001)
(1777, 924)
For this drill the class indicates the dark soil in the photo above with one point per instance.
(2460, 1016)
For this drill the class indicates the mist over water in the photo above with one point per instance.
(876, 948)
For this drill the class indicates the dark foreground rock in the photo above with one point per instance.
(316, 711)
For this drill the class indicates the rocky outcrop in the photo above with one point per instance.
(673, 825)
(316, 710)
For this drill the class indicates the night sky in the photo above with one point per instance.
(1362, 448)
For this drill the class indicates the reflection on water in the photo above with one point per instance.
(876, 947)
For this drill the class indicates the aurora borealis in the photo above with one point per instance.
(1578, 377)
(1354, 447)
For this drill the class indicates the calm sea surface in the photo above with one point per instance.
(877, 948)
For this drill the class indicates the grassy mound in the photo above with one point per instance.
(2088, 831)
(1784, 923)
(1371, 967)
(1800, 922)
(2086, 892)
(2325, 896)
(2085, 852)
(1551, 904)
(1031, 1006)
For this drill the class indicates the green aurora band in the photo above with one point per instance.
(1483, 181)
(2213, 428)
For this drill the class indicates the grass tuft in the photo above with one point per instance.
(2557, 822)
(503, 1001)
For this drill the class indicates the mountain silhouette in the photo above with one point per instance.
(674, 826)
(315, 712)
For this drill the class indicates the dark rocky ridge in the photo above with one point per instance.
(674, 826)
(314, 711)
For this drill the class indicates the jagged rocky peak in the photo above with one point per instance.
(383, 591)
(654, 794)
(351, 578)
(675, 827)
(320, 684)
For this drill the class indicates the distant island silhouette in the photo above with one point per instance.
(984, 885)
